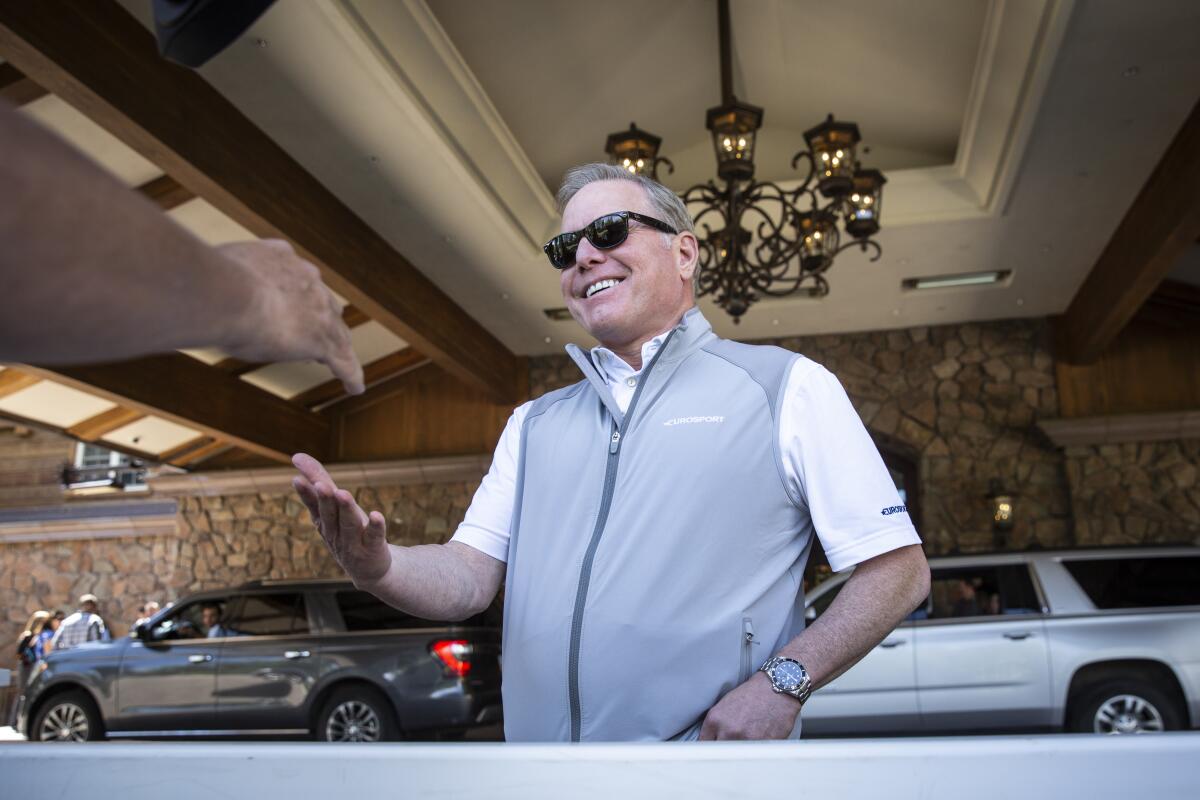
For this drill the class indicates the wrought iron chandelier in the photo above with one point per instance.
(757, 238)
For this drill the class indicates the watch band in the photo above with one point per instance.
(801, 691)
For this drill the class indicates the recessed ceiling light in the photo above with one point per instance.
(1130, 72)
(557, 314)
(961, 279)
(504, 295)
(774, 322)
(1020, 301)
(547, 340)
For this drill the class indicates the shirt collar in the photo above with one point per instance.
(613, 368)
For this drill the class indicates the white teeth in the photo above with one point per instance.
(600, 286)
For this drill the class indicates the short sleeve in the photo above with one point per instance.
(831, 463)
(489, 517)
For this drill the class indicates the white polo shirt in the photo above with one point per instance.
(828, 457)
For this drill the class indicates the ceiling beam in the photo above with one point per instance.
(16, 88)
(377, 371)
(189, 392)
(1161, 224)
(166, 192)
(101, 60)
(1174, 304)
(94, 428)
(13, 381)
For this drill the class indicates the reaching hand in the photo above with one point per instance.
(293, 316)
(358, 541)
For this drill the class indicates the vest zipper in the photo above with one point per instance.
(747, 649)
(585, 570)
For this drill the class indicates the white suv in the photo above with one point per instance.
(1104, 641)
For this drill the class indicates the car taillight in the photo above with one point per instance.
(454, 653)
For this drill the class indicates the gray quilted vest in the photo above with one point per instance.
(655, 556)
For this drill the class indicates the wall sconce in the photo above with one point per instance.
(1004, 505)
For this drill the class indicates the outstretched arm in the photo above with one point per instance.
(435, 581)
(94, 272)
(881, 592)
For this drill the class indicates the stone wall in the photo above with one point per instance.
(962, 400)
(1135, 493)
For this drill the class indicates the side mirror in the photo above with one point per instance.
(142, 632)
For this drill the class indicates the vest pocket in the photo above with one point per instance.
(747, 650)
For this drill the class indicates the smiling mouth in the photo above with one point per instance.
(600, 286)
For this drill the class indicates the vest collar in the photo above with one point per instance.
(692, 331)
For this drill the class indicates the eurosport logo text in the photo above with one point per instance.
(691, 420)
(894, 510)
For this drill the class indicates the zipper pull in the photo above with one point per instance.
(614, 442)
(748, 630)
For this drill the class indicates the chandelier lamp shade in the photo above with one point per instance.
(637, 151)
(759, 239)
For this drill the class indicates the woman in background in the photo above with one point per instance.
(28, 654)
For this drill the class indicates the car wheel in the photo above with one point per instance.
(1125, 706)
(68, 717)
(357, 714)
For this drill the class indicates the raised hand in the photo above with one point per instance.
(357, 540)
(293, 316)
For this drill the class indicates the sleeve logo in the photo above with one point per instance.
(894, 510)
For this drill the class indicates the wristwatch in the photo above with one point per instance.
(788, 676)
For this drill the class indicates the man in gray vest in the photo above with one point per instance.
(651, 522)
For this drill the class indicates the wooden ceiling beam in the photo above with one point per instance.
(166, 192)
(187, 391)
(374, 373)
(16, 88)
(94, 428)
(1162, 223)
(14, 380)
(101, 60)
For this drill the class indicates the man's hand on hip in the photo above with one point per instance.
(751, 711)
(357, 540)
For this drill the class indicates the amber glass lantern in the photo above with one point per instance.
(634, 149)
(862, 206)
(818, 240)
(733, 126)
(832, 145)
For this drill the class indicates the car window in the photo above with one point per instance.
(272, 614)
(1149, 582)
(1004, 590)
(818, 606)
(362, 611)
(191, 620)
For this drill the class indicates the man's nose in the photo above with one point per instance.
(587, 255)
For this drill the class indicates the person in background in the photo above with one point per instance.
(210, 618)
(27, 656)
(85, 625)
(46, 637)
(147, 610)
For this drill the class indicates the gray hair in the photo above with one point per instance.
(666, 204)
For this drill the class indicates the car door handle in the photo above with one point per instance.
(199, 658)
(890, 643)
(1017, 636)
(293, 654)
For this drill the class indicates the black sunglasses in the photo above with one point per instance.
(604, 233)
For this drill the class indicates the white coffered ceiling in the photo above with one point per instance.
(1011, 135)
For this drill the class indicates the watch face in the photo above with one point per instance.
(788, 675)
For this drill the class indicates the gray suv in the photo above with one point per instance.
(273, 658)
(1104, 641)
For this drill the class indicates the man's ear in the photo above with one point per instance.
(687, 255)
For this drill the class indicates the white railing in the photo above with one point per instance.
(1162, 767)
